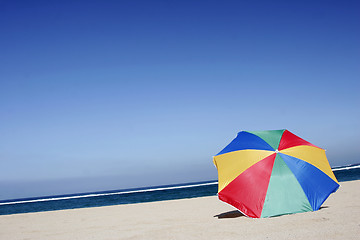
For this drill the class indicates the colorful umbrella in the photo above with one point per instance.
(271, 173)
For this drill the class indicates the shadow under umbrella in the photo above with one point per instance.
(230, 214)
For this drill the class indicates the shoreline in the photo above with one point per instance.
(191, 218)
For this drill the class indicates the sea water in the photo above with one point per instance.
(138, 195)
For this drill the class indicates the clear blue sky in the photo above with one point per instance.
(100, 95)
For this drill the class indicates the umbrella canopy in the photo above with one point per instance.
(271, 173)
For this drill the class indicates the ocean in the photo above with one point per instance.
(135, 195)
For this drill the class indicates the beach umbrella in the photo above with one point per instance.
(271, 173)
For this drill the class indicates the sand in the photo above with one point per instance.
(197, 218)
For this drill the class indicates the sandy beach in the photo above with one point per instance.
(197, 218)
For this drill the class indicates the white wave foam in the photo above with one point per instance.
(345, 168)
(108, 194)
